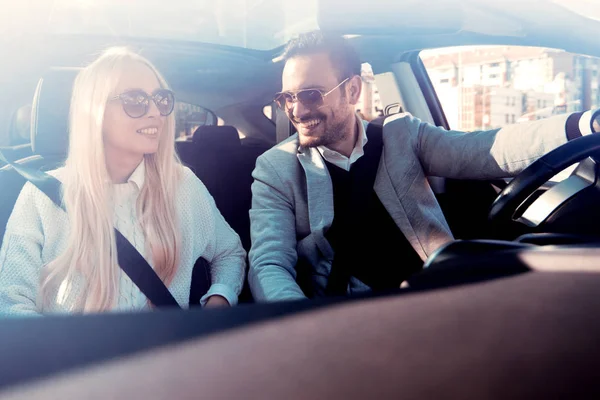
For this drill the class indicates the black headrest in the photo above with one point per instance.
(50, 113)
(214, 136)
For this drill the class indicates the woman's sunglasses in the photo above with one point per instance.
(136, 102)
(310, 98)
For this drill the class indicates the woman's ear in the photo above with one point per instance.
(354, 89)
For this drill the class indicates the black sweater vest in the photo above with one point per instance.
(367, 242)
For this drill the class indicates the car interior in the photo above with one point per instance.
(505, 229)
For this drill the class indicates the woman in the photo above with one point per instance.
(121, 172)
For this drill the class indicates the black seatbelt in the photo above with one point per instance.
(40, 180)
(363, 182)
(130, 260)
(142, 274)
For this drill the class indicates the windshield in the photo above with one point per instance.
(256, 24)
(587, 8)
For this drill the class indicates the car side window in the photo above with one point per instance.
(188, 117)
(486, 87)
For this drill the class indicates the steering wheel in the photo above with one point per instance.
(539, 172)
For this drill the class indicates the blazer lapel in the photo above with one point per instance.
(418, 215)
(320, 197)
(384, 188)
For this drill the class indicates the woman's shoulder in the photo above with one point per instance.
(187, 173)
(58, 173)
(34, 193)
(193, 192)
(190, 182)
(29, 190)
(33, 207)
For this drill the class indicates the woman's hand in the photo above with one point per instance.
(216, 301)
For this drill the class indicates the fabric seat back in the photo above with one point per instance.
(49, 136)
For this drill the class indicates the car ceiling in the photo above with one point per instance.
(390, 27)
(217, 76)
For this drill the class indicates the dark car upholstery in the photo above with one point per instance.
(225, 166)
(49, 136)
(529, 336)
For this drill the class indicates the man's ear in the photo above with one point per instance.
(354, 89)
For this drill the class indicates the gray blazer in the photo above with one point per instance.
(292, 194)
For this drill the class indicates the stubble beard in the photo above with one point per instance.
(334, 131)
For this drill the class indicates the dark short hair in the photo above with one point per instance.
(342, 54)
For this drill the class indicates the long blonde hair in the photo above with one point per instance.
(90, 254)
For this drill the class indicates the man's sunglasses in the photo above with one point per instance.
(310, 98)
(136, 102)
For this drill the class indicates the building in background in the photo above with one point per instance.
(491, 86)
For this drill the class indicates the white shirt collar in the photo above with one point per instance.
(138, 176)
(341, 160)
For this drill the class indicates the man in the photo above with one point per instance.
(305, 223)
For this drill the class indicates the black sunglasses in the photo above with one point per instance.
(136, 102)
(310, 98)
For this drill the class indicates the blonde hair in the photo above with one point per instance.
(90, 253)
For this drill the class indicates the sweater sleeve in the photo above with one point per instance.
(21, 256)
(223, 251)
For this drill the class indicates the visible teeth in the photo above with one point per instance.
(148, 131)
(311, 123)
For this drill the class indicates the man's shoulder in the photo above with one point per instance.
(395, 124)
(400, 129)
(399, 122)
(285, 151)
(280, 161)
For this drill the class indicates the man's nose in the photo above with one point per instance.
(299, 110)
